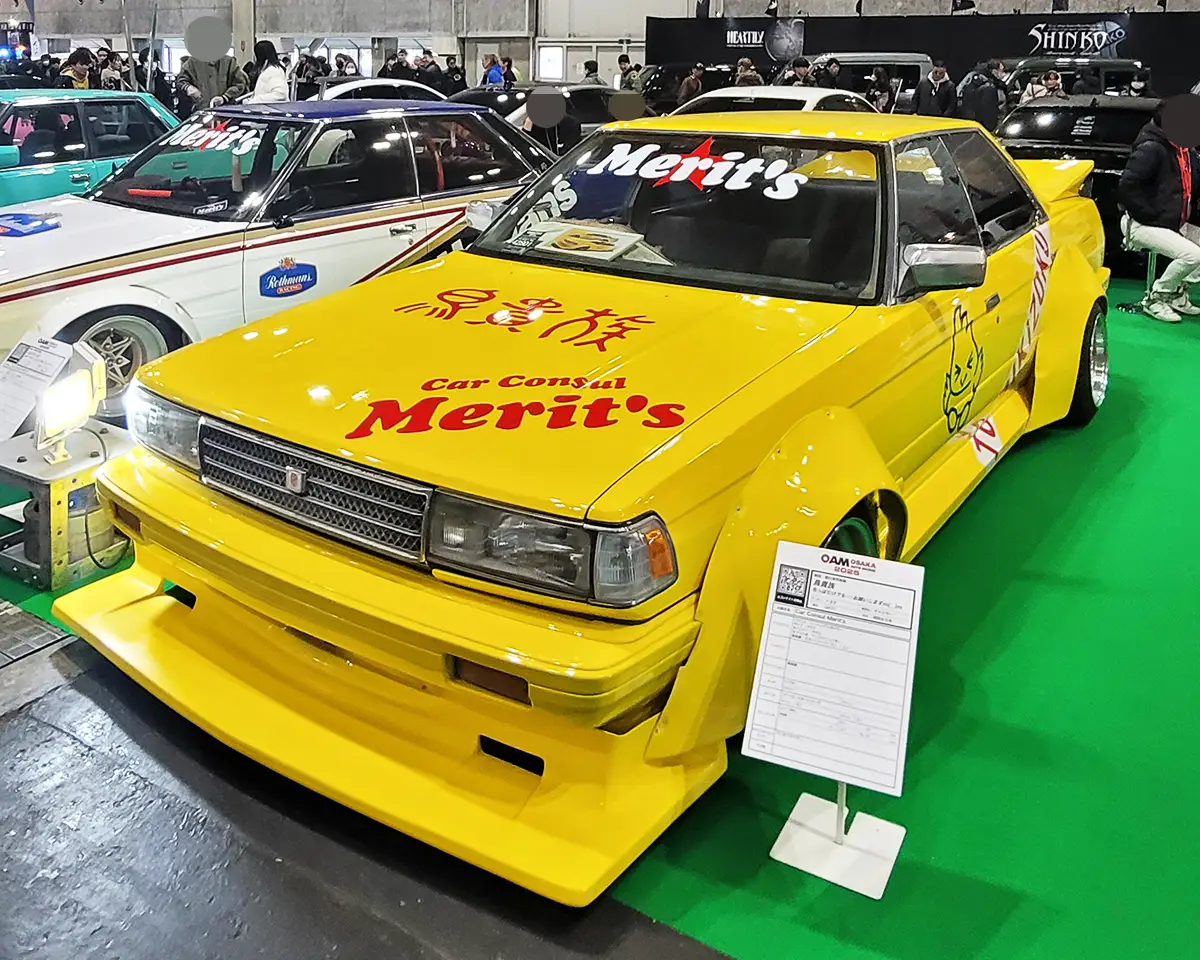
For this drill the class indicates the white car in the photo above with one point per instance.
(242, 211)
(376, 88)
(760, 97)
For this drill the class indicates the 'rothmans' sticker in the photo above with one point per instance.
(287, 279)
(731, 171)
(26, 224)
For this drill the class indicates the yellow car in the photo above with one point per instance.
(482, 548)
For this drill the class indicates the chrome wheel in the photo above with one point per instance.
(124, 343)
(1098, 360)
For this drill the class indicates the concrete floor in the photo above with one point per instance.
(128, 834)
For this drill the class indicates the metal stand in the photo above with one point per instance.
(815, 840)
(40, 553)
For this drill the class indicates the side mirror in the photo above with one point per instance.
(10, 157)
(482, 213)
(941, 266)
(286, 207)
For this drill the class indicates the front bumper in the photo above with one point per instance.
(333, 670)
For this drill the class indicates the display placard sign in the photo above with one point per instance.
(833, 684)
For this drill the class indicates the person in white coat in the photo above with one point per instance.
(271, 85)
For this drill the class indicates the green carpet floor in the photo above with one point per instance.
(1052, 771)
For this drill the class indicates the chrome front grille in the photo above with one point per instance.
(368, 509)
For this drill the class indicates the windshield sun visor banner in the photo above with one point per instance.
(775, 179)
(212, 133)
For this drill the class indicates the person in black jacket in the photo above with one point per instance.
(1157, 195)
(1089, 82)
(983, 95)
(453, 79)
(935, 94)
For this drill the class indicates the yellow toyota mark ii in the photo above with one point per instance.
(482, 548)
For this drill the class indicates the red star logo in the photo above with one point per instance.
(696, 176)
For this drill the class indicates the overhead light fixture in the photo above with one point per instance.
(772, 8)
(1060, 6)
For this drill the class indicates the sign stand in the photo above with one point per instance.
(815, 840)
(832, 693)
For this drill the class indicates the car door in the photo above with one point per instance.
(116, 129)
(347, 209)
(50, 151)
(936, 340)
(1016, 235)
(460, 158)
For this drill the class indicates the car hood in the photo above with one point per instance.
(389, 375)
(90, 232)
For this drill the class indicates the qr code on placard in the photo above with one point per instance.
(792, 586)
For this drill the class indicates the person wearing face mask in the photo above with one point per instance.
(1157, 194)
(935, 94)
(1140, 86)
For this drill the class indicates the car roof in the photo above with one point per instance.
(1095, 101)
(859, 56)
(53, 93)
(770, 92)
(861, 127)
(1118, 62)
(343, 109)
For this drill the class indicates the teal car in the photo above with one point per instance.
(62, 141)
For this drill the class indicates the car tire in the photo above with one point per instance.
(854, 533)
(126, 337)
(1091, 379)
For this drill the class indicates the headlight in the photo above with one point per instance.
(165, 427)
(610, 566)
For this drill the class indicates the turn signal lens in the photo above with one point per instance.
(633, 564)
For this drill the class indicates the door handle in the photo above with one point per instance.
(992, 302)
(80, 177)
(402, 229)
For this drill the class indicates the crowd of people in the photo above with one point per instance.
(266, 78)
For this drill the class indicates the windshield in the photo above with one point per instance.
(1082, 125)
(790, 217)
(211, 167)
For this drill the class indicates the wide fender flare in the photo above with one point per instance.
(824, 467)
(77, 304)
(1073, 288)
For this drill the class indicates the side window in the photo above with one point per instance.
(908, 75)
(1003, 207)
(529, 149)
(353, 164)
(49, 134)
(461, 153)
(589, 106)
(835, 102)
(932, 204)
(120, 128)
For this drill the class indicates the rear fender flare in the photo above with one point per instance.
(821, 470)
(1073, 289)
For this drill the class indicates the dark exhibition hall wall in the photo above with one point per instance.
(1166, 42)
